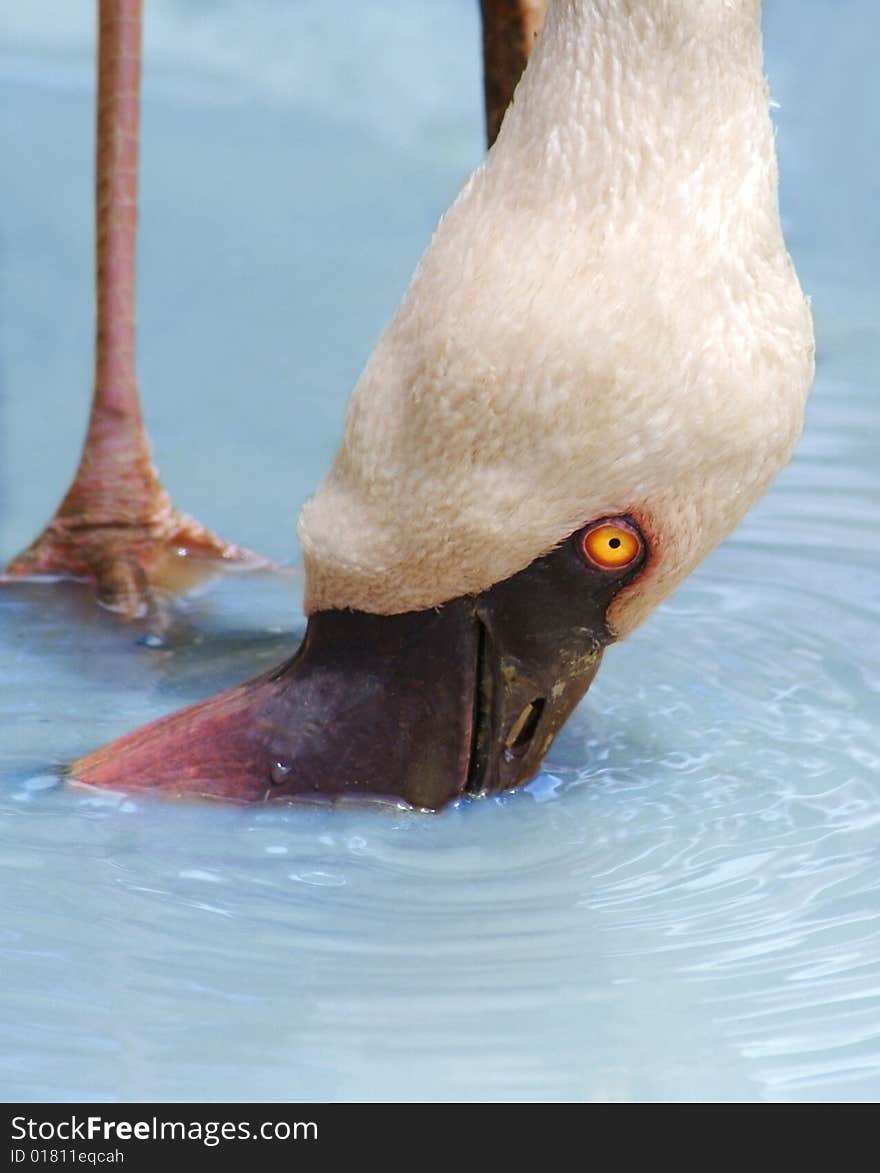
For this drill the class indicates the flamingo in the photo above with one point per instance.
(601, 363)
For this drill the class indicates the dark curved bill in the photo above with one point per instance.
(421, 707)
(369, 706)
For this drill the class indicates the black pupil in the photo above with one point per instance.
(614, 543)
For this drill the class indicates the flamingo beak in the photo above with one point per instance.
(422, 707)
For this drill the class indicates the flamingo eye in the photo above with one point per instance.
(611, 544)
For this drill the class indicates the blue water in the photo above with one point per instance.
(686, 903)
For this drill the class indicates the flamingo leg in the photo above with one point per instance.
(116, 525)
(509, 31)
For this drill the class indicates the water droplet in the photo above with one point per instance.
(280, 771)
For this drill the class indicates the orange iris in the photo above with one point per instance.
(610, 546)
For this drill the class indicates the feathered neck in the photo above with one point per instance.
(606, 322)
(630, 102)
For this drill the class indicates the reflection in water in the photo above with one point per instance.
(683, 905)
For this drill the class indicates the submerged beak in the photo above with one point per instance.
(421, 707)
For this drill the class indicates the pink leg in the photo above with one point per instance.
(117, 526)
(509, 31)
